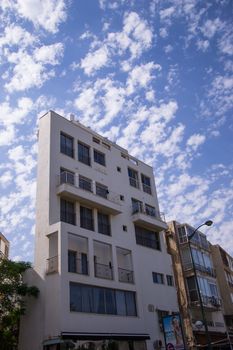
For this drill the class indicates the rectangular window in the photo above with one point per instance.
(104, 224)
(158, 278)
(72, 261)
(133, 178)
(147, 238)
(102, 190)
(99, 157)
(84, 153)
(86, 218)
(85, 183)
(146, 186)
(150, 210)
(84, 298)
(182, 234)
(137, 206)
(66, 176)
(67, 145)
(67, 211)
(170, 280)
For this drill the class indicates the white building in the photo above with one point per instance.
(4, 247)
(101, 262)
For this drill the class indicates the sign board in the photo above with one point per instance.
(173, 333)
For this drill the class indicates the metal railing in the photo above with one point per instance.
(207, 300)
(133, 182)
(85, 184)
(139, 207)
(52, 265)
(78, 267)
(147, 242)
(146, 188)
(125, 275)
(208, 270)
(103, 271)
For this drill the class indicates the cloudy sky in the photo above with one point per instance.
(155, 76)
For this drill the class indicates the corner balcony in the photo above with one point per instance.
(153, 219)
(85, 191)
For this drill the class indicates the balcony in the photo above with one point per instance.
(206, 270)
(148, 217)
(103, 271)
(125, 275)
(125, 265)
(52, 265)
(79, 188)
(208, 302)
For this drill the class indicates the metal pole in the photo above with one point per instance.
(198, 291)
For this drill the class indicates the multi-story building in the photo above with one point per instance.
(223, 264)
(187, 286)
(101, 261)
(4, 247)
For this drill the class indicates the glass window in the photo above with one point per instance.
(67, 211)
(99, 157)
(130, 304)
(146, 186)
(86, 218)
(137, 206)
(133, 178)
(75, 297)
(120, 303)
(66, 176)
(147, 238)
(104, 224)
(84, 153)
(85, 183)
(102, 190)
(67, 145)
(110, 302)
(170, 280)
(150, 210)
(158, 278)
(72, 261)
(99, 300)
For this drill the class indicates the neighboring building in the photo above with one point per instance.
(101, 260)
(187, 288)
(4, 247)
(223, 264)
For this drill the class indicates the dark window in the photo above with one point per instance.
(146, 186)
(77, 265)
(119, 169)
(67, 145)
(72, 261)
(104, 224)
(67, 211)
(191, 282)
(133, 178)
(122, 198)
(147, 238)
(158, 278)
(137, 206)
(86, 218)
(102, 190)
(170, 280)
(85, 183)
(124, 228)
(66, 176)
(84, 298)
(84, 154)
(99, 157)
(150, 210)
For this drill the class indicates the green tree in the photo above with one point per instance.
(13, 291)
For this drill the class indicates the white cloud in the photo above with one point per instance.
(210, 27)
(166, 13)
(95, 60)
(195, 141)
(16, 35)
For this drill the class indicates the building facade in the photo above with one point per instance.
(101, 260)
(223, 264)
(4, 247)
(187, 290)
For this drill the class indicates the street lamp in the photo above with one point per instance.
(207, 223)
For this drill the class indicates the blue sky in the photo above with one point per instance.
(155, 76)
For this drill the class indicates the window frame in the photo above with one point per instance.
(85, 221)
(82, 157)
(64, 148)
(97, 156)
(156, 276)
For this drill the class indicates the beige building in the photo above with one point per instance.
(101, 260)
(223, 264)
(4, 247)
(187, 286)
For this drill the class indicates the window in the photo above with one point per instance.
(67, 211)
(106, 145)
(104, 224)
(94, 139)
(122, 198)
(77, 265)
(170, 280)
(191, 282)
(161, 314)
(182, 234)
(99, 157)
(72, 259)
(146, 184)
(67, 145)
(150, 210)
(85, 183)
(119, 169)
(147, 237)
(86, 218)
(158, 278)
(133, 178)
(124, 228)
(84, 298)
(66, 176)
(137, 206)
(84, 153)
(102, 190)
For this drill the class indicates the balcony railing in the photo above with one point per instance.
(52, 265)
(207, 300)
(208, 270)
(125, 275)
(147, 242)
(139, 207)
(78, 267)
(103, 271)
(70, 218)
(85, 184)
(146, 188)
(133, 182)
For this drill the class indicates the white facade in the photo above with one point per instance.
(4, 247)
(80, 193)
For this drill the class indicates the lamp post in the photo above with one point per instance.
(207, 223)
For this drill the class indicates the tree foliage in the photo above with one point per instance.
(13, 291)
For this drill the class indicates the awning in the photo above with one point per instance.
(99, 336)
